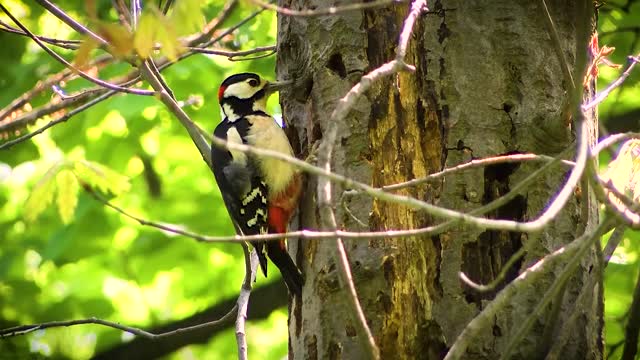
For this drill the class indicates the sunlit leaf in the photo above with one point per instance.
(100, 176)
(145, 34)
(83, 54)
(119, 38)
(41, 195)
(167, 37)
(186, 16)
(67, 194)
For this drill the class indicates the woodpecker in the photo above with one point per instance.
(260, 193)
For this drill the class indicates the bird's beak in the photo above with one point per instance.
(274, 86)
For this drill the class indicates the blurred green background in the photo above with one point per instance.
(100, 263)
(78, 261)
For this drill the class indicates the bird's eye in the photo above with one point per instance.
(254, 82)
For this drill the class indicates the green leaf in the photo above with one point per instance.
(166, 35)
(145, 34)
(100, 176)
(186, 17)
(83, 54)
(67, 194)
(41, 195)
(119, 38)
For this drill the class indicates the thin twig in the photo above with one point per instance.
(202, 146)
(136, 10)
(494, 224)
(123, 13)
(612, 244)
(568, 327)
(327, 11)
(568, 253)
(231, 55)
(344, 269)
(612, 140)
(582, 136)
(69, 65)
(233, 28)
(251, 265)
(213, 25)
(624, 207)
(501, 276)
(60, 14)
(164, 63)
(308, 234)
(26, 329)
(557, 46)
(601, 96)
(584, 243)
(33, 92)
(502, 159)
(61, 119)
(63, 43)
(166, 6)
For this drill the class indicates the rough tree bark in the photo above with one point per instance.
(487, 82)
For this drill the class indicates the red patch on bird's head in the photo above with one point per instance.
(221, 93)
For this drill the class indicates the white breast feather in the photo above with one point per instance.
(265, 133)
(233, 136)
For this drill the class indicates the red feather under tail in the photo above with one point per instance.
(277, 251)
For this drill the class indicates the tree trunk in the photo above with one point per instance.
(487, 82)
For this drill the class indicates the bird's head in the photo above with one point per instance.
(245, 93)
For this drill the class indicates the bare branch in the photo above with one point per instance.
(26, 329)
(251, 266)
(61, 119)
(612, 243)
(308, 234)
(232, 55)
(621, 205)
(566, 192)
(328, 11)
(328, 219)
(584, 243)
(571, 254)
(213, 25)
(123, 14)
(69, 65)
(502, 159)
(238, 25)
(41, 86)
(600, 97)
(434, 210)
(166, 6)
(194, 132)
(65, 44)
(612, 140)
(60, 14)
(567, 330)
(501, 276)
(557, 46)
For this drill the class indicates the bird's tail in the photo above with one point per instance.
(290, 273)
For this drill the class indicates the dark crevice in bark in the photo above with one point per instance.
(311, 346)
(483, 259)
(438, 260)
(336, 65)
(335, 351)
